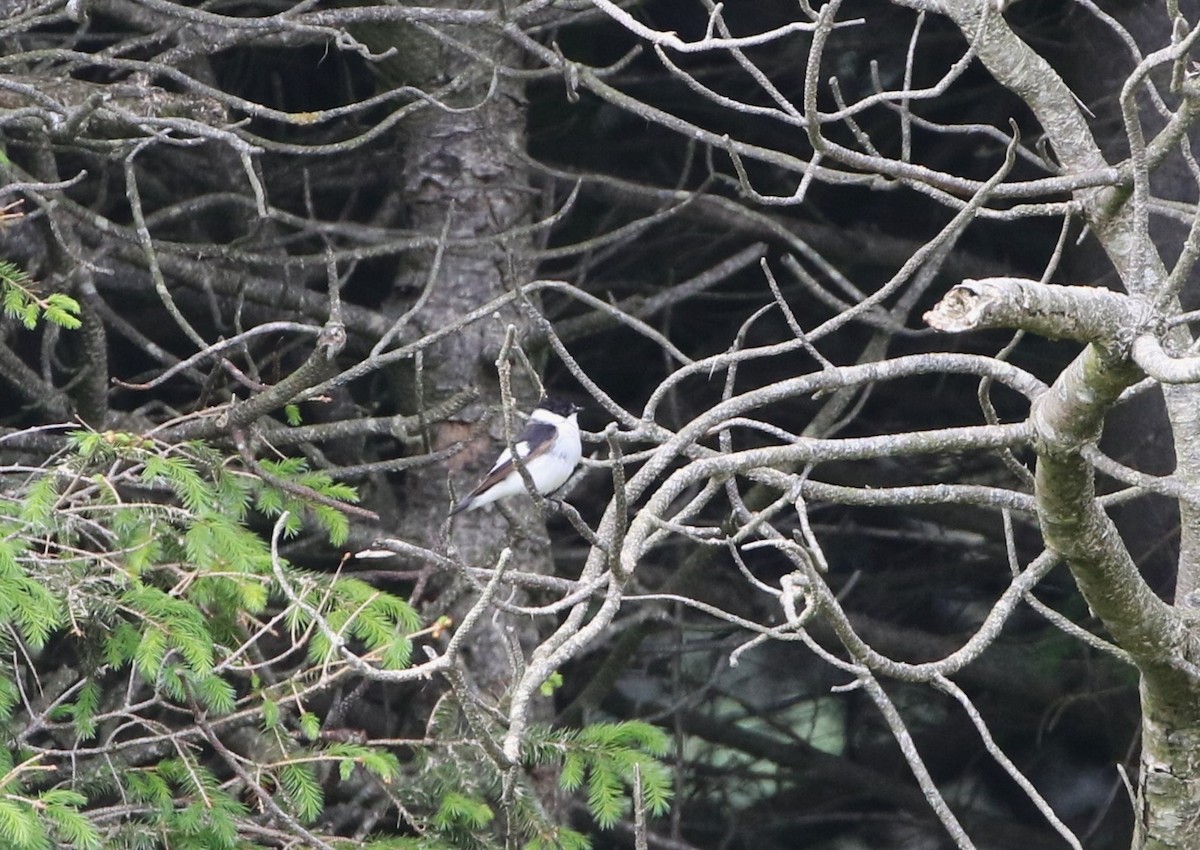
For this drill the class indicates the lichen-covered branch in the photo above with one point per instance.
(1067, 418)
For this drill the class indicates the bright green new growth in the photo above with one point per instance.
(165, 655)
(608, 756)
(474, 803)
(22, 303)
(136, 559)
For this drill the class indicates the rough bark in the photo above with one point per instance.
(460, 176)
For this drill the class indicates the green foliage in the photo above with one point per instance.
(553, 682)
(60, 811)
(83, 710)
(607, 756)
(355, 609)
(302, 790)
(22, 303)
(168, 622)
(423, 842)
(473, 806)
(273, 502)
(35, 821)
(27, 606)
(193, 809)
(140, 562)
(310, 725)
(458, 810)
(384, 765)
(559, 839)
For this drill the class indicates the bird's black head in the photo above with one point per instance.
(559, 405)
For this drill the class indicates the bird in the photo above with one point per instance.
(549, 449)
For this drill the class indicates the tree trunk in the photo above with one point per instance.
(462, 181)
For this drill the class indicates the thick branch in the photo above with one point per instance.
(1084, 313)
(80, 105)
(317, 367)
(1074, 525)
(1067, 418)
